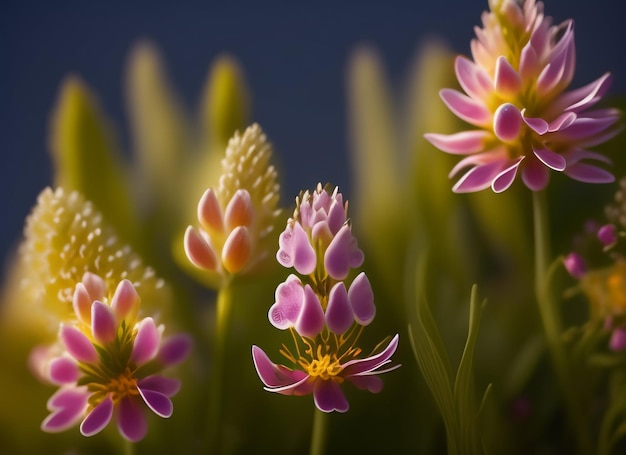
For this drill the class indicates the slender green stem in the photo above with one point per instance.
(552, 324)
(319, 433)
(222, 325)
(129, 447)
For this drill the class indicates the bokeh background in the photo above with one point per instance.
(294, 57)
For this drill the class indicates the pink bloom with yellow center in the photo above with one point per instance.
(111, 364)
(514, 93)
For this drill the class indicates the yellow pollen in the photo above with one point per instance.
(324, 366)
(122, 386)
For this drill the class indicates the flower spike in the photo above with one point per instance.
(515, 94)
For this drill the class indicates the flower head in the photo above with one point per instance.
(237, 217)
(515, 95)
(325, 315)
(65, 237)
(110, 364)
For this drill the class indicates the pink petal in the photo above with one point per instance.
(506, 81)
(589, 174)
(339, 316)
(466, 108)
(95, 286)
(505, 179)
(78, 345)
(538, 125)
(586, 127)
(160, 404)
(361, 299)
(67, 407)
(64, 370)
(81, 302)
(529, 63)
(210, 212)
(98, 418)
(370, 383)
(562, 121)
(581, 98)
(336, 217)
(463, 143)
(175, 349)
(125, 301)
(199, 250)
(103, 324)
(146, 342)
(311, 321)
(553, 160)
(576, 155)
(273, 375)
(239, 211)
(474, 80)
(337, 255)
(575, 265)
(131, 420)
(296, 250)
(166, 386)
(328, 396)
(535, 174)
(370, 364)
(507, 122)
(289, 299)
(479, 177)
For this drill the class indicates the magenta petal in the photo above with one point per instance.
(538, 125)
(535, 174)
(466, 108)
(125, 301)
(575, 265)
(339, 316)
(506, 80)
(505, 179)
(78, 345)
(103, 324)
(273, 375)
(311, 319)
(371, 383)
(588, 173)
(553, 160)
(370, 364)
(472, 78)
(160, 404)
(478, 178)
(328, 396)
(528, 63)
(336, 217)
(361, 299)
(337, 255)
(98, 418)
(576, 155)
(562, 121)
(463, 143)
(131, 420)
(507, 122)
(67, 408)
(582, 98)
(289, 299)
(618, 339)
(296, 250)
(166, 386)
(146, 342)
(64, 370)
(175, 349)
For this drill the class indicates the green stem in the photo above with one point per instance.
(222, 325)
(129, 447)
(318, 435)
(552, 324)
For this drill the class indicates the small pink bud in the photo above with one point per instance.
(607, 235)
(237, 248)
(210, 212)
(199, 251)
(575, 265)
(239, 211)
(507, 122)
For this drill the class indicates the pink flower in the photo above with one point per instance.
(319, 227)
(322, 372)
(514, 94)
(111, 365)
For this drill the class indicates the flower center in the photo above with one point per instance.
(324, 366)
(122, 386)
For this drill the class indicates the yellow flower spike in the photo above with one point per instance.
(86, 158)
(65, 236)
(236, 251)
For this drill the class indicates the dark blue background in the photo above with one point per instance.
(294, 58)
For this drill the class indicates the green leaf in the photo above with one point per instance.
(86, 159)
